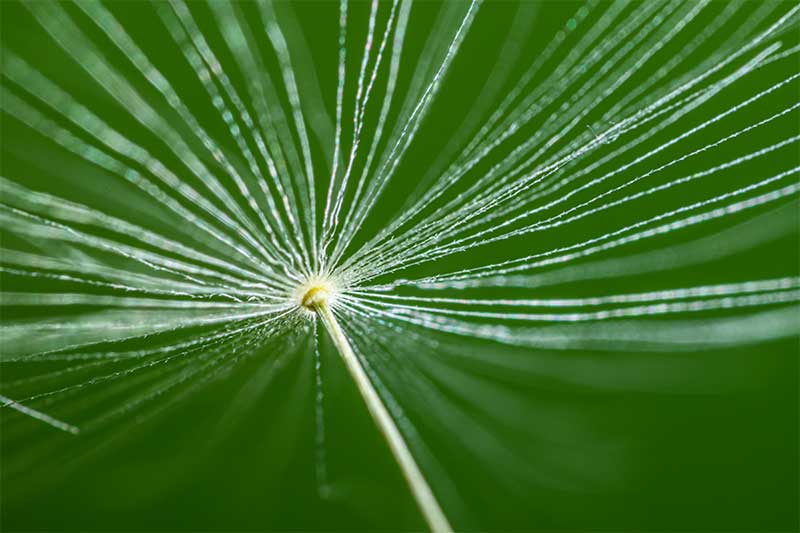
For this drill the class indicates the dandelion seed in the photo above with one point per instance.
(490, 212)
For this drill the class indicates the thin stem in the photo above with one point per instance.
(420, 489)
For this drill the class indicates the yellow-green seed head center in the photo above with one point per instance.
(315, 292)
(315, 296)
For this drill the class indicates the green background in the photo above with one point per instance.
(693, 441)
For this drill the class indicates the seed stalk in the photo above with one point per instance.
(420, 489)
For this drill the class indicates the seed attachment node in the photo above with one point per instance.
(314, 293)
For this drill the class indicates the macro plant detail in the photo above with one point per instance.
(398, 265)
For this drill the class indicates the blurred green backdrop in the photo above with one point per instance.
(703, 441)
